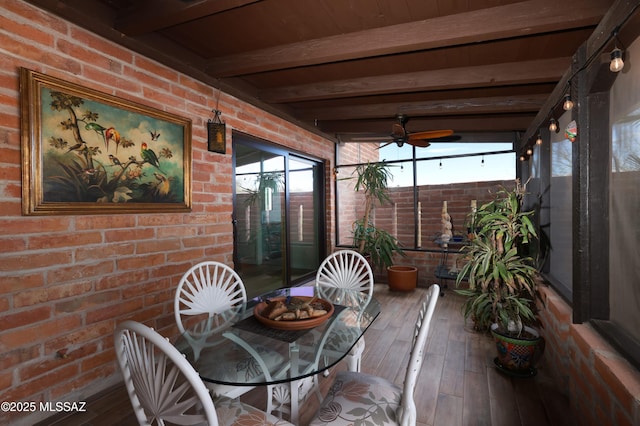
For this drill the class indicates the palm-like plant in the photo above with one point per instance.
(500, 271)
(375, 243)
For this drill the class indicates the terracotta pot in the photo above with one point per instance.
(402, 278)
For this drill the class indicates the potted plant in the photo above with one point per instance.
(501, 277)
(376, 244)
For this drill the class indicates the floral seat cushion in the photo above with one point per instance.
(358, 398)
(232, 412)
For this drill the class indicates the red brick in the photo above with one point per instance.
(46, 294)
(37, 242)
(39, 332)
(113, 311)
(12, 283)
(24, 317)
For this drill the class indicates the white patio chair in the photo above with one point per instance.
(339, 275)
(164, 387)
(358, 398)
(207, 290)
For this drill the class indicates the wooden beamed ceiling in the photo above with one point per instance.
(345, 68)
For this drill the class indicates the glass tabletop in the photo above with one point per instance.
(234, 348)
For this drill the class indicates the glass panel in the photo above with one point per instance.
(398, 218)
(450, 148)
(349, 204)
(305, 214)
(560, 210)
(259, 212)
(477, 168)
(624, 228)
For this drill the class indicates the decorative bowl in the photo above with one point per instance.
(297, 324)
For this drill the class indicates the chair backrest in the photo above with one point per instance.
(345, 270)
(161, 383)
(408, 412)
(207, 288)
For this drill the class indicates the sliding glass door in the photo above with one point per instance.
(278, 237)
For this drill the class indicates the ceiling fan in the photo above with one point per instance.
(401, 136)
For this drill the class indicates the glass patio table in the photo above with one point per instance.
(235, 349)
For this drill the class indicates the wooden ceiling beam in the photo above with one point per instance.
(528, 72)
(481, 123)
(152, 15)
(488, 105)
(500, 22)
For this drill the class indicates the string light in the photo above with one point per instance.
(529, 151)
(539, 140)
(553, 125)
(568, 103)
(617, 63)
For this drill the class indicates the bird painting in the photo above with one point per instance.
(76, 147)
(99, 130)
(163, 186)
(115, 161)
(149, 156)
(154, 135)
(114, 135)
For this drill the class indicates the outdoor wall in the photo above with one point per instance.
(66, 281)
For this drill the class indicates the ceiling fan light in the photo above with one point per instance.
(617, 63)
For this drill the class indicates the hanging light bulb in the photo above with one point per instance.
(529, 151)
(553, 125)
(568, 103)
(617, 63)
(539, 140)
(522, 158)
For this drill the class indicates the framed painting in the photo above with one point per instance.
(88, 152)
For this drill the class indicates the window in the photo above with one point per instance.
(414, 169)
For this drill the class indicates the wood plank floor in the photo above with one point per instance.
(458, 384)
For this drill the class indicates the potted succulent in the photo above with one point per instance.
(501, 277)
(376, 244)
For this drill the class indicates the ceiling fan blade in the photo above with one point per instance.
(430, 134)
(369, 139)
(384, 144)
(420, 143)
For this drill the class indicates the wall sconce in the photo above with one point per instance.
(568, 103)
(216, 132)
(553, 125)
(617, 63)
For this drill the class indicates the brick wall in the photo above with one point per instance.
(398, 218)
(603, 388)
(66, 281)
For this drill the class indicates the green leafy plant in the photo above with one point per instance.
(373, 242)
(500, 271)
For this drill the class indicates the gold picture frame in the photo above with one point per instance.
(88, 152)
